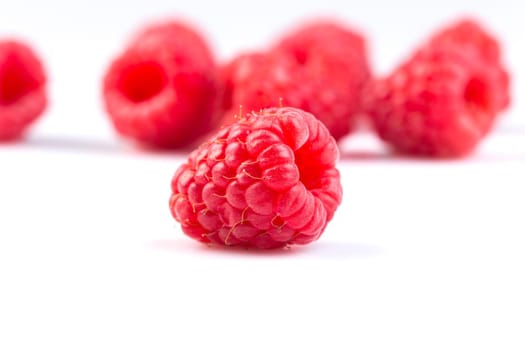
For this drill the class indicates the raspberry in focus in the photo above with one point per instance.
(266, 181)
(23, 95)
(162, 90)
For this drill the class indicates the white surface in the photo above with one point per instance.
(420, 255)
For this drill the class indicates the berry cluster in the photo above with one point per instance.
(267, 177)
(165, 90)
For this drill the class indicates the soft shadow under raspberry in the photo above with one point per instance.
(322, 250)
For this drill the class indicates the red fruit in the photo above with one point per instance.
(237, 70)
(320, 68)
(266, 181)
(162, 91)
(442, 101)
(332, 42)
(232, 74)
(22, 89)
(471, 36)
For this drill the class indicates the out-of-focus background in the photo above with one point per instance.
(78, 38)
(420, 255)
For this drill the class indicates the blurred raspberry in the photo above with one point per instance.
(162, 90)
(235, 71)
(321, 68)
(266, 181)
(440, 103)
(468, 35)
(22, 88)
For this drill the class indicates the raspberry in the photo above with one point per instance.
(471, 36)
(321, 68)
(162, 91)
(22, 89)
(267, 181)
(441, 102)
(237, 70)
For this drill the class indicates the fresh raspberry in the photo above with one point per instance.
(237, 70)
(22, 89)
(321, 68)
(440, 103)
(332, 42)
(267, 181)
(471, 36)
(162, 91)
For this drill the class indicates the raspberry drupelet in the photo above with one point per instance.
(266, 181)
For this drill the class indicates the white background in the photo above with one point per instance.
(420, 255)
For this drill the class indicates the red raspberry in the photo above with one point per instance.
(332, 42)
(22, 89)
(471, 36)
(237, 70)
(441, 102)
(320, 68)
(266, 181)
(162, 91)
